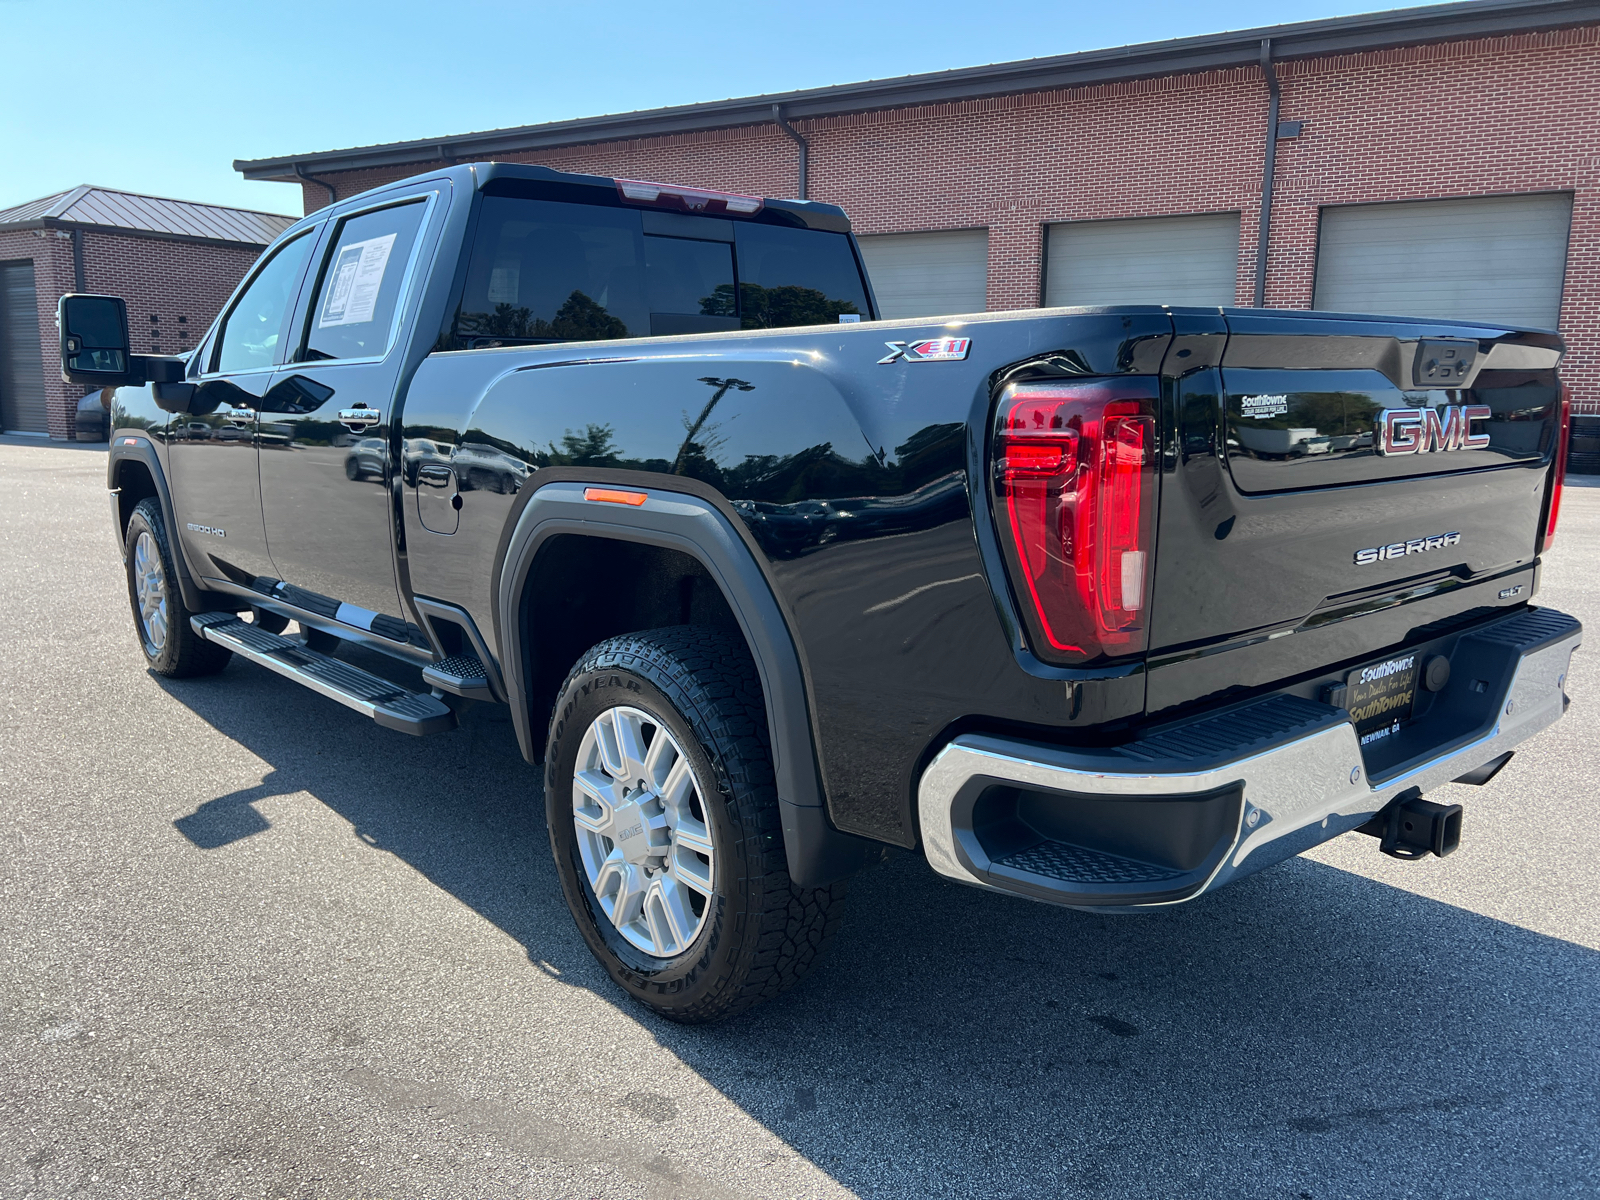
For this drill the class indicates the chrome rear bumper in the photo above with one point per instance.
(1304, 781)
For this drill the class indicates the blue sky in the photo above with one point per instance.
(160, 96)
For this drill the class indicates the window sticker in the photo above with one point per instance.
(357, 274)
(503, 281)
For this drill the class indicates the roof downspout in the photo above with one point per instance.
(79, 281)
(1264, 234)
(332, 195)
(805, 150)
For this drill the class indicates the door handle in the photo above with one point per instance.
(241, 416)
(359, 418)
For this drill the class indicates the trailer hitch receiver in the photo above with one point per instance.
(1410, 827)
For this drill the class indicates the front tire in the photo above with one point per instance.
(663, 819)
(171, 646)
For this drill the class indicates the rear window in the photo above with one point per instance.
(548, 271)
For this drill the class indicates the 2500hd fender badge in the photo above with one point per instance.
(1400, 549)
(1425, 430)
(932, 350)
(193, 528)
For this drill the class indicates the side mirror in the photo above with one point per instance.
(94, 340)
(94, 346)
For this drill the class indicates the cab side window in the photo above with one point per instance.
(358, 293)
(249, 337)
(549, 271)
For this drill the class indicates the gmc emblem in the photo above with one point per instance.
(1425, 430)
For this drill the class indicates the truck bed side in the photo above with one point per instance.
(856, 480)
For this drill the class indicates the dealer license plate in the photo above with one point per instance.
(1380, 696)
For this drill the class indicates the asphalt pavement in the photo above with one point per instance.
(252, 945)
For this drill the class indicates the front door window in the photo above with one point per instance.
(250, 333)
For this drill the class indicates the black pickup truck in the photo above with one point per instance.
(1102, 607)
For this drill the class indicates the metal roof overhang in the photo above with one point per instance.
(1305, 39)
(154, 235)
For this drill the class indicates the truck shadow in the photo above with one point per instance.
(1305, 1033)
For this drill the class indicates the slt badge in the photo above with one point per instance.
(933, 350)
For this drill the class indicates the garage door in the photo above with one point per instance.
(21, 370)
(1499, 258)
(1150, 260)
(928, 274)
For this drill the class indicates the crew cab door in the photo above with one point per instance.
(215, 485)
(325, 448)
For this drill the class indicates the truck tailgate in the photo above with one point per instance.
(1337, 487)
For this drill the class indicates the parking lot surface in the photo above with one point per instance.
(255, 946)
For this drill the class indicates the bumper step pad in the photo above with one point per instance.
(1080, 865)
(389, 704)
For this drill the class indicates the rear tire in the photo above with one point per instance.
(171, 646)
(742, 932)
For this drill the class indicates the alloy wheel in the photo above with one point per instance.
(150, 589)
(639, 813)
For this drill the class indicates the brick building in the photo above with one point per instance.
(1433, 161)
(173, 261)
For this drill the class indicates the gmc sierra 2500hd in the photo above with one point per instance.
(1103, 607)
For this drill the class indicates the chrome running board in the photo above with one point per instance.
(389, 704)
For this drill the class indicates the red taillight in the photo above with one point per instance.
(1075, 466)
(1559, 479)
(688, 199)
